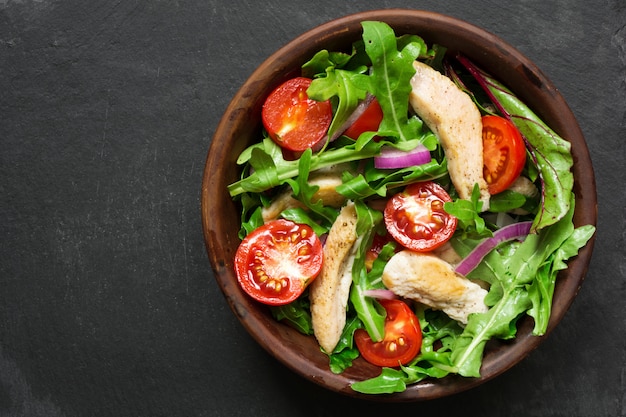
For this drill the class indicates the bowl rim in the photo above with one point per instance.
(542, 94)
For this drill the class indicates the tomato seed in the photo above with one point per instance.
(259, 274)
(436, 205)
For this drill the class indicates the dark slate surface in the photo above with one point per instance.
(107, 302)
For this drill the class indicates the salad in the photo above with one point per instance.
(403, 206)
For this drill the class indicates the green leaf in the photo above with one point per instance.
(321, 61)
(467, 212)
(367, 218)
(391, 73)
(296, 314)
(499, 321)
(389, 381)
(302, 216)
(537, 248)
(345, 86)
(251, 213)
(339, 362)
(506, 201)
(345, 351)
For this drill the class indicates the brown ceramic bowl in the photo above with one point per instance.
(240, 126)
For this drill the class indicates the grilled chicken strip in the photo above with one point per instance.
(429, 280)
(330, 291)
(452, 115)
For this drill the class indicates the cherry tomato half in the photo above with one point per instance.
(402, 341)
(416, 218)
(368, 121)
(277, 261)
(293, 120)
(504, 153)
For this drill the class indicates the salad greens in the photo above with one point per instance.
(550, 153)
(521, 274)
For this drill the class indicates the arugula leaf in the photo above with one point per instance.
(322, 61)
(499, 322)
(367, 221)
(295, 314)
(389, 381)
(375, 274)
(368, 310)
(509, 200)
(344, 85)
(302, 216)
(468, 214)
(391, 73)
(251, 216)
(345, 351)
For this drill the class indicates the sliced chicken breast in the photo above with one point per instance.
(452, 115)
(431, 281)
(330, 291)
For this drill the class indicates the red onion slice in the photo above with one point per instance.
(358, 111)
(380, 294)
(510, 232)
(392, 158)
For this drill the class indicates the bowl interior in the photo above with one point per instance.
(240, 127)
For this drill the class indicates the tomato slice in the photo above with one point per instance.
(402, 341)
(293, 120)
(277, 261)
(504, 153)
(416, 218)
(368, 121)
